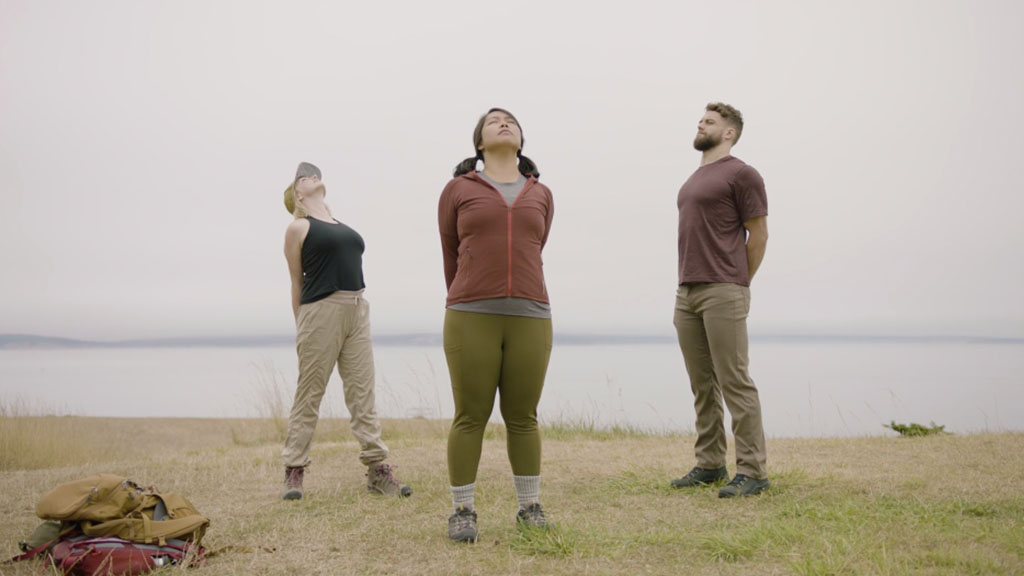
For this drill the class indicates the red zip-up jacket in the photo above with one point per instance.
(492, 249)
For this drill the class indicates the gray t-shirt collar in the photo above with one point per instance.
(509, 190)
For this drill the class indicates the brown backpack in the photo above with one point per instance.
(107, 524)
(109, 505)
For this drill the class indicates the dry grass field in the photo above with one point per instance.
(949, 505)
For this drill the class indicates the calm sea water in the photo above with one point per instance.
(807, 389)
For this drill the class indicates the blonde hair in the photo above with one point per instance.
(297, 209)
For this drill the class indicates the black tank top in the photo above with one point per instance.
(332, 260)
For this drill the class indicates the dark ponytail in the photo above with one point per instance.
(526, 166)
(466, 166)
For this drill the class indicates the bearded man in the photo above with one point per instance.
(723, 232)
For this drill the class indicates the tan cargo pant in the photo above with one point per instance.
(711, 323)
(335, 330)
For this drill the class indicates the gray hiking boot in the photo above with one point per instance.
(380, 479)
(532, 516)
(293, 482)
(462, 525)
(701, 477)
(743, 485)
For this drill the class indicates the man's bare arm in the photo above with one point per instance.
(757, 242)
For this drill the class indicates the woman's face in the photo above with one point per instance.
(307, 186)
(500, 130)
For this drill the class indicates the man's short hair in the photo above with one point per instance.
(731, 115)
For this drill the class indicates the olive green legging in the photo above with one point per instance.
(490, 353)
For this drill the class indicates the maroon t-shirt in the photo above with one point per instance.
(713, 205)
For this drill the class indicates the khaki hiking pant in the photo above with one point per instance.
(334, 331)
(711, 323)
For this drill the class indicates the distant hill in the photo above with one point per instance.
(33, 341)
(26, 341)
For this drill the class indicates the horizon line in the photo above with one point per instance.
(25, 341)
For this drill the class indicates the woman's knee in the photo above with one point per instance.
(521, 423)
(470, 423)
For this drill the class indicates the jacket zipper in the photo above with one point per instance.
(508, 209)
(510, 249)
(520, 195)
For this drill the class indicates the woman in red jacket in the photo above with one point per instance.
(497, 329)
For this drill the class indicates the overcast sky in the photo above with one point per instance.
(144, 148)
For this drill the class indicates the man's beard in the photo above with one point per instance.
(704, 142)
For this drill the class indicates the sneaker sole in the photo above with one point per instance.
(698, 484)
(531, 525)
(404, 493)
(756, 492)
(468, 538)
(714, 482)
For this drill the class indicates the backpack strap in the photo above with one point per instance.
(31, 553)
(240, 549)
(67, 531)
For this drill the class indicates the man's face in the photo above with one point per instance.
(710, 131)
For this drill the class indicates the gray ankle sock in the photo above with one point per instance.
(462, 496)
(527, 489)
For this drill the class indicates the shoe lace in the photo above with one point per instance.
(738, 480)
(464, 518)
(293, 477)
(533, 512)
(385, 475)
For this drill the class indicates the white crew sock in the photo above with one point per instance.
(462, 496)
(527, 489)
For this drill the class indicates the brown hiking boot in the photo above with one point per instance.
(293, 482)
(379, 479)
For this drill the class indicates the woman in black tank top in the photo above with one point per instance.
(332, 320)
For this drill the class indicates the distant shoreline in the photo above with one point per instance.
(38, 342)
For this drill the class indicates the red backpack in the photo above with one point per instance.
(81, 555)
